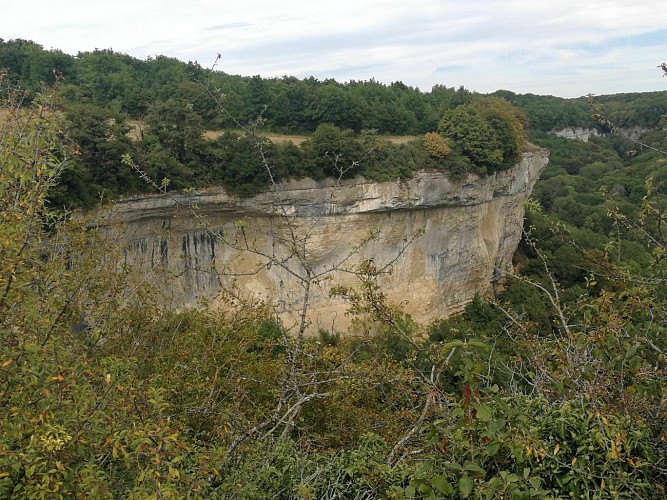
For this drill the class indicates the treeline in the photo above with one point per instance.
(173, 148)
(102, 91)
(129, 86)
(168, 105)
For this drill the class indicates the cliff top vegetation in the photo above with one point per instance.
(169, 105)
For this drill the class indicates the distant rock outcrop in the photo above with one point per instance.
(584, 134)
(464, 233)
(576, 133)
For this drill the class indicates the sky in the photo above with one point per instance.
(566, 48)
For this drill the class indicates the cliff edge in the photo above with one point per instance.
(446, 241)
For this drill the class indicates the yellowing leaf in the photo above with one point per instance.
(7, 363)
(557, 449)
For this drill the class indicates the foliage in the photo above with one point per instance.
(176, 102)
(333, 152)
(233, 161)
(69, 425)
(547, 113)
(555, 389)
(488, 131)
(436, 145)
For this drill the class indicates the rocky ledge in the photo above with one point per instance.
(442, 241)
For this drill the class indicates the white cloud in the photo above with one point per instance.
(566, 48)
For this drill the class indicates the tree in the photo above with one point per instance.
(178, 128)
(28, 63)
(333, 152)
(76, 417)
(436, 145)
(336, 105)
(234, 162)
(474, 136)
(101, 141)
(488, 131)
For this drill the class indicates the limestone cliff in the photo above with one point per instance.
(461, 237)
(584, 134)
(576, 133)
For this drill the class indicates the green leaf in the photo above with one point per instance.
(492, 449)
(465, 486)
(483, 412)
(441, 484)
(473, 467)
(535, 482)
(427, 466)
(450, 345)
(479, 345)
(424, 489)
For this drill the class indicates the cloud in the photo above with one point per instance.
(566, 48)
(451, 68)
(229, 26)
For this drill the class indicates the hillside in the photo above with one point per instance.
(552, 387)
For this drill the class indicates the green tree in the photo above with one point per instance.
(178, 128)
(488, 131)
(30, 65)
(234, 161)
(75, 419)
(473, 136)
(334, 104)
(101, 141)
(333, 152)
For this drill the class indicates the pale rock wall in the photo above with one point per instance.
(576, 133)
(584, 134)
(464, 237)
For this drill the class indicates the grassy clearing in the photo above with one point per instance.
(298, 139)
(137, 126)
(400, 139)
(277, 138)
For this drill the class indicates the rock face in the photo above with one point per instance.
(442, 241)
(584, 134)
(576, 133)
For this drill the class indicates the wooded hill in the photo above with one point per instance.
(105, 94)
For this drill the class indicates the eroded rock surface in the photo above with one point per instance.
(446, 241)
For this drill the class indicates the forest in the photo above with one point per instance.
(554, 388)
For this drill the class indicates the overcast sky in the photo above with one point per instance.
(566, 48)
